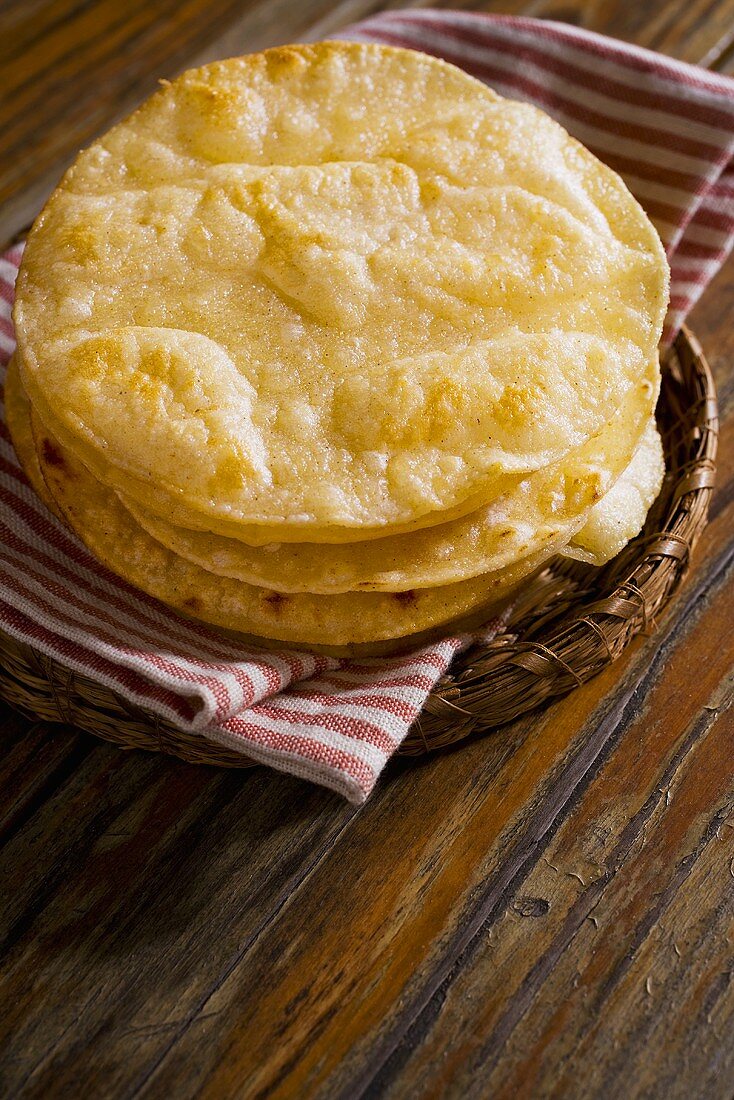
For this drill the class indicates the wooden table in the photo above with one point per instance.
(545, 912)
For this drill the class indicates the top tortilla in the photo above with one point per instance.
(330, 291)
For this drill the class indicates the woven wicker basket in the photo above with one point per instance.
(570, 622)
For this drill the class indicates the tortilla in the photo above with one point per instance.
(18, 421)
(335, 624)
(331, 292)
(530, 512)
(620, 515)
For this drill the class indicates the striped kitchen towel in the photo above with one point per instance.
(668, 128)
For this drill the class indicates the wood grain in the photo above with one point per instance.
(31, 766)
(545, 912)
(621, 925)
(109, 854)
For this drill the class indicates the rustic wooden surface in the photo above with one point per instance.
(546, 912)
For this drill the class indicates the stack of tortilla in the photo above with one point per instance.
(334, 347)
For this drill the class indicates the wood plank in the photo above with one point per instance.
(625, 946)
(134, 887)
(33, 761)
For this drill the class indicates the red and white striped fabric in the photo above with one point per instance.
(668, 129)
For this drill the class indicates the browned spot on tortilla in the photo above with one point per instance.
(192, 603)
(405, 598)
(284, 58)
(52, 456)
(276, 600)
